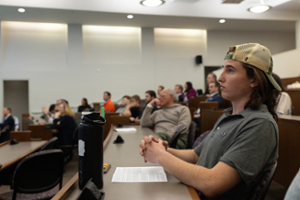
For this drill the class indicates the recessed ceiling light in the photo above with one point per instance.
(152, 3)
(21, 10)
(222, 21)
(129, 16)
(259, 8)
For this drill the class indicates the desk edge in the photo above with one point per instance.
(67, 189)
(22, 156)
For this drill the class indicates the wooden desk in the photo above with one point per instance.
(11, 154)
(288, 162)
(39, 131)
(127, 155)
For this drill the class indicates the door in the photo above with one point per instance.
(16, 98)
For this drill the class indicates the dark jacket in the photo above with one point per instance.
(216, 97)
(11, 122)
(82, 108)
(65, 129)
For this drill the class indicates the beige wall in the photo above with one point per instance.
(56, 67)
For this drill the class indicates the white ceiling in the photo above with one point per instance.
(197, 14)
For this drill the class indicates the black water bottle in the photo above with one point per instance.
(90, 149)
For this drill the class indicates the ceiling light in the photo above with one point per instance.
(129, 16)
(152, 3)
(21, 10)
(259, 8)
(222, 21)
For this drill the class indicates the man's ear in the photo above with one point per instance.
(253, 83)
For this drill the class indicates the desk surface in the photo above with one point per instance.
(13, 153)
(127, 155)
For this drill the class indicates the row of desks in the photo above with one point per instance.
(127, 155)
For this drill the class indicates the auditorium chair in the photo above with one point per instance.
(262, 186)
(37, 176)
(191, 135)
(51, 144)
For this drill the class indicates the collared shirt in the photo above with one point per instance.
(247, 141)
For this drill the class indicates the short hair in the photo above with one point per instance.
(86, 101)
(64, 101)
(151, 93)
(278, 80)
(8, 108)
(52, 107)
(126, 96)
(217, 84)
(108, 93)
(173, 93)
(161, 87)
(215, 77)
(180, 87)
(136, 97)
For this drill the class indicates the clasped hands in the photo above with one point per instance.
(152, 149)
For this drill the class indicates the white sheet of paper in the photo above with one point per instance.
(126, 129)
(139, 174)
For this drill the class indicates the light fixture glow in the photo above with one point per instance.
(222, 21)
(21, 10)
(152, 3)
(129, 16)
(259, 8)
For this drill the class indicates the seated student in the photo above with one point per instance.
(284, 106)
(211, 77)
(149, 96)
(214, 96)
(159, 89)
(84, 105)
(48, 114)
(188, 92)
(214, 93)
(134, 110)
(125, 104)
(108, 105)
(65, 123)
(166, 120)
(178, 90)
(7, 120)
(243, 145)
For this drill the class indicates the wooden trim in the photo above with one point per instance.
(21, 157)
(193, 193)
(4, 143)
(65, 192)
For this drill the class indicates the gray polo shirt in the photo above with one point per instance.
(247, 141)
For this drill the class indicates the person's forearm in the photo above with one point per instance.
(190, 174)
(46, 116)
(186, 155)
(210, 182)
(146, 118)
(127, 112)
